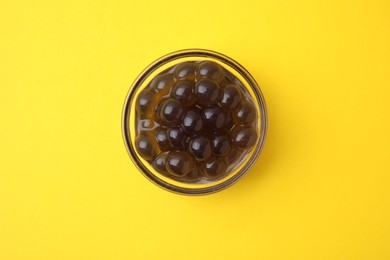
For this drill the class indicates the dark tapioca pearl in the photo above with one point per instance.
(146, 103)
(179, 163)
(244, 138)
(200, 147)
(207, 92)
(176, 138)
(160, 163)
(234, 156)
(214, 168)
(192, 122)
(230, 97)
(214, 117)
(183, 91)
(220, 145)
(210, 70)
(195, 174)
(162, 84)
(171, 110)
(147, 146)
(185, 70)
(229, 123)
(246, 114)
(162, 138)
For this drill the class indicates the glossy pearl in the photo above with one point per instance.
(207, 92)
(221, 145)
(162, 84)
(183, 91)
(171, 110)
(160, 163)
(210, 70)
(146, 103)
(244, 138)
(192, 122)
(162, 138)
(230, 97)
(185, 70)
(246, 114)
(176, 138)
(214, 168)
(147, 147)
(179, 163)
(200, 147)
(214, 118)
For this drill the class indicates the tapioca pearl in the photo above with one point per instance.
(147, 146)
(211, 70)
(229, 123)
(214, 168)
(230, 97)
(162, 84)
(214, 117)
(244, 138)
(192, 122)
(207, 92)
(184, 92)
(185, 70)
(162, 138)
(176, 138)
(233, 157)
(170, 110)
(246, 114)
(160, 163)
(220, 145)
(200, 147)
(179, 163)
(146, 103)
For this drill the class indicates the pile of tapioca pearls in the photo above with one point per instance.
(194, 122)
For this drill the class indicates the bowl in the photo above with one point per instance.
(184, 129)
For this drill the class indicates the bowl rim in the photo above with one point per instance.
(185, 53)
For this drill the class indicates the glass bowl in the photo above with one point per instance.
(202, 186)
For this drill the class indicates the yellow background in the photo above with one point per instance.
(68, 189)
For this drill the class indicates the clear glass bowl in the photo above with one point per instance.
(129, 122)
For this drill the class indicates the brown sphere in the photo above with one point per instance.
(179, 163)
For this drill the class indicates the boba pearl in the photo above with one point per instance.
(221, 145)
(233, 156)
(207, 92)
(192, 122)
(162, 84)
(230, 97)
(229, 123)
(147, 146)
(210, 70)
(162, 138)
(146, 103)
(246, 114)
(214, 168)
(185, 70)
(214, 117)
(200, 147)
(179, 163)
(244, 138)
(183, 91)
(176, 138)
(171, 110)
(160, 163)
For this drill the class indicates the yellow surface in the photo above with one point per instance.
(68, 189)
